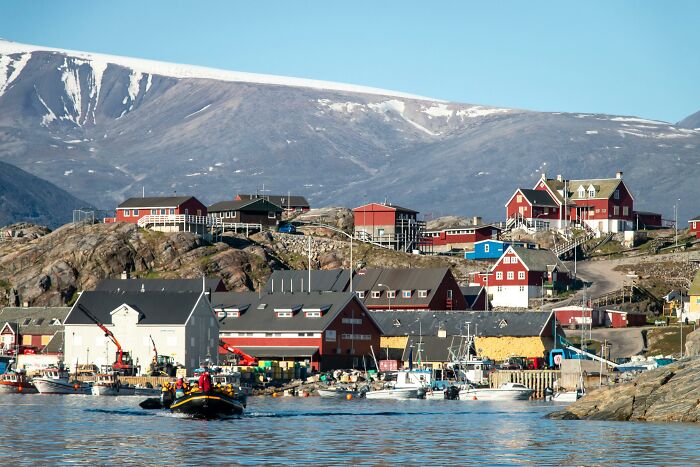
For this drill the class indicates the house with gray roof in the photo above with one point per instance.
(138, 284)
(434, 337)
(328, 329)
(289, 203)
(181, 324)
(33, 329)
(522, 275)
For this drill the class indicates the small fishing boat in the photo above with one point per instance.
(16, 383)
(339, 392)
(108, 384)
(505, 392)
(409, 384)
(57, 381)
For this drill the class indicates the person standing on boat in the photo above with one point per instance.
(205, 381)
(179, 388)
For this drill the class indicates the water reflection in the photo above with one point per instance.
(101, 430)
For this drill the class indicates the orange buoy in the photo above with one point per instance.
(19, 388)
(474, 398)
(75, 386)
(348, 396)
(305, 394)
(274, 394)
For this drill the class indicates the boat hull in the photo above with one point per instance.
(338, 394)
(396, 394)
(23, 388)
(112, 391)
(495, 394)
(52, 386)
(207, 405)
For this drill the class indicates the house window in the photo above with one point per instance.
(135, 212)
(506, 260)
(352, 321)
(591, 192)
(330, 335)
(616, 210)
(422, 293)
(391, 293)
(406, 294)
(499, 289)
(514, 260)
(360, 294)
(625, 210)
(376, 293)
(581, 192)
(172, 211)
(511, 275)
(271, 215)
(486, 248)
(521, 275)
(26, 322)
(127, 212)
(617, 194)
(221, 314)
(499, 275)
(380, 232)
(284, 314)
(522, 288)
(233, 214)
(520, 198)
(449, 294)
(233, 314)
(313, 314)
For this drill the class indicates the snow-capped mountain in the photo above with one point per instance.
(103, 127)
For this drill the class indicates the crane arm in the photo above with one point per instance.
(155, 350)
(245, 358)
(107, 332)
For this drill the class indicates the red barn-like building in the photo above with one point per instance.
(695, 226)
(331, 330)
(388, 225)
(134, 209)
(460, 238)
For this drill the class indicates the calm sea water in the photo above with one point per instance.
(50, 430)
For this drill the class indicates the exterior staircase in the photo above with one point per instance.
(565, 247)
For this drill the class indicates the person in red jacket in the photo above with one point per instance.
(205, 382)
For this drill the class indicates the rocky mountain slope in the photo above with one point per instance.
(48, 269)
(25, 197)
(691, 121)
(667, 394)
(105, 127)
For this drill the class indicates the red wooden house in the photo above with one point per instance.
(695, 226)
(460, 238)
(602, 205)
(521, 275)
(134, 209)
(331, 330)
(388, 225)
(32, 329)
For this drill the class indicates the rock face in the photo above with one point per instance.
(49, 270)
(667, 394)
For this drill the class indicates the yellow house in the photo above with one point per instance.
(434, 338)
(694, 292)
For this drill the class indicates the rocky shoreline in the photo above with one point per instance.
(667, 394)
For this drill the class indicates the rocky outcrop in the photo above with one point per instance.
(667, 394)
(50, 269)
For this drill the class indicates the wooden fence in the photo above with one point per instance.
(534, 379)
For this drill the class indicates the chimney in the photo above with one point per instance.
(476, 220)
(124, 275)
(560, 178)
(618, 175)
(544, 176)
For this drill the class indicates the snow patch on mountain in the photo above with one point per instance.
(7, 63)
(176, 70)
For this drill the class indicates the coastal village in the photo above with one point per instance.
(501, 306)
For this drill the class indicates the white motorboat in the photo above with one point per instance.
(409, 384)
(505, 392)
(108, 384)
(565, 396)
(57, 381)
(339, 393)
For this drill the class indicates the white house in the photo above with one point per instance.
(181, 324)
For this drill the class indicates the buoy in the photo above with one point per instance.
(474, 398)
(305, 394)
(75, 386)
(19, 388)
(348, 396)
(274, 394)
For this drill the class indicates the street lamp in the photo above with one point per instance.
(675, 215)
(387, 293)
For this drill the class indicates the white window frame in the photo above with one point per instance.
(134, 212)
(514, 260)
(625, 210)
(376, 293)
(499, 275)
(499, 289)
(510, 275)
(284, 314)
(391, 293)
(127, 212)
(271, 215)
(616, 210)
(330, 335)
(591, 192)
(360, 294)
(406, 294)
(423, 293)
(221, 314)
(521, 275)
(486, 248)
(312, 314)
(617, 194)
(172, 211)
(506, 260)
(581, 192)
(522, 288)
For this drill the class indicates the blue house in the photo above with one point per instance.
(493, 249)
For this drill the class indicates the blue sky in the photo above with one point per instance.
(621, 57)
